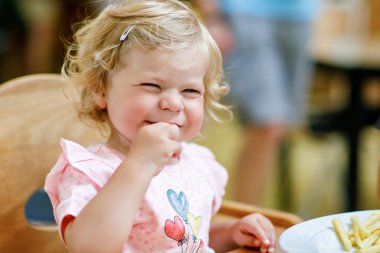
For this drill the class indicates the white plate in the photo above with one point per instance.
(318, 235)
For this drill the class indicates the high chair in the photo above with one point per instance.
(34, 115)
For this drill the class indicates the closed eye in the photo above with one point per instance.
(191, 91)
(153, 85)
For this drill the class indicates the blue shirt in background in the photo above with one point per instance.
(277, 9)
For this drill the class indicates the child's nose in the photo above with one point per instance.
(171, 101)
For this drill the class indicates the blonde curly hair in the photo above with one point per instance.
(168, 24)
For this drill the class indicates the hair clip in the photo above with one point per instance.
(124, 35)
(97, 56)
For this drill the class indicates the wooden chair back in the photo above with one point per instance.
(34, 115)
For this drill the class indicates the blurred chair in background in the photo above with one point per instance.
(269, 69)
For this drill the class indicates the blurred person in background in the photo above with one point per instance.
(12, 34)
(42, 19)
(266, 47)
(32, 33)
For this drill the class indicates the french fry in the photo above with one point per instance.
(370, 240)
(363, 231)
(372, 249)
(373, 218)
(339, 229)
(373, 228)
(357, 237)
(363, 235)
(377, 241)
(353, 242)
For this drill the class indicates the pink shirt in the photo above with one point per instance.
(176, 211)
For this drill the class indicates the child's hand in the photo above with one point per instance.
(156, 146)
(256, 231)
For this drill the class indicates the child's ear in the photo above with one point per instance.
(100, 100)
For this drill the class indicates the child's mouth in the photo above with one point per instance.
(151, 122)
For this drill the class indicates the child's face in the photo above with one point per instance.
(147, 87)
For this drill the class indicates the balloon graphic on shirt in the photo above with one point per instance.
(195, 222)
(179, 203)
(175, 229)
(198, 247)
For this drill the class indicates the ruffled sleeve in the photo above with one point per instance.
(75, 180)
(219, 175)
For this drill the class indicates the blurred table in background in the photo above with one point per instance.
(358, 61)
(349, 44)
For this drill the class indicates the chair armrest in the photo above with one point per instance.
(278, 218)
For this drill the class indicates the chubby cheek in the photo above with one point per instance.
(195, 123)
(126, 117)
(122, 125)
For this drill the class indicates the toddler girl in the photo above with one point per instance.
(148, 72)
